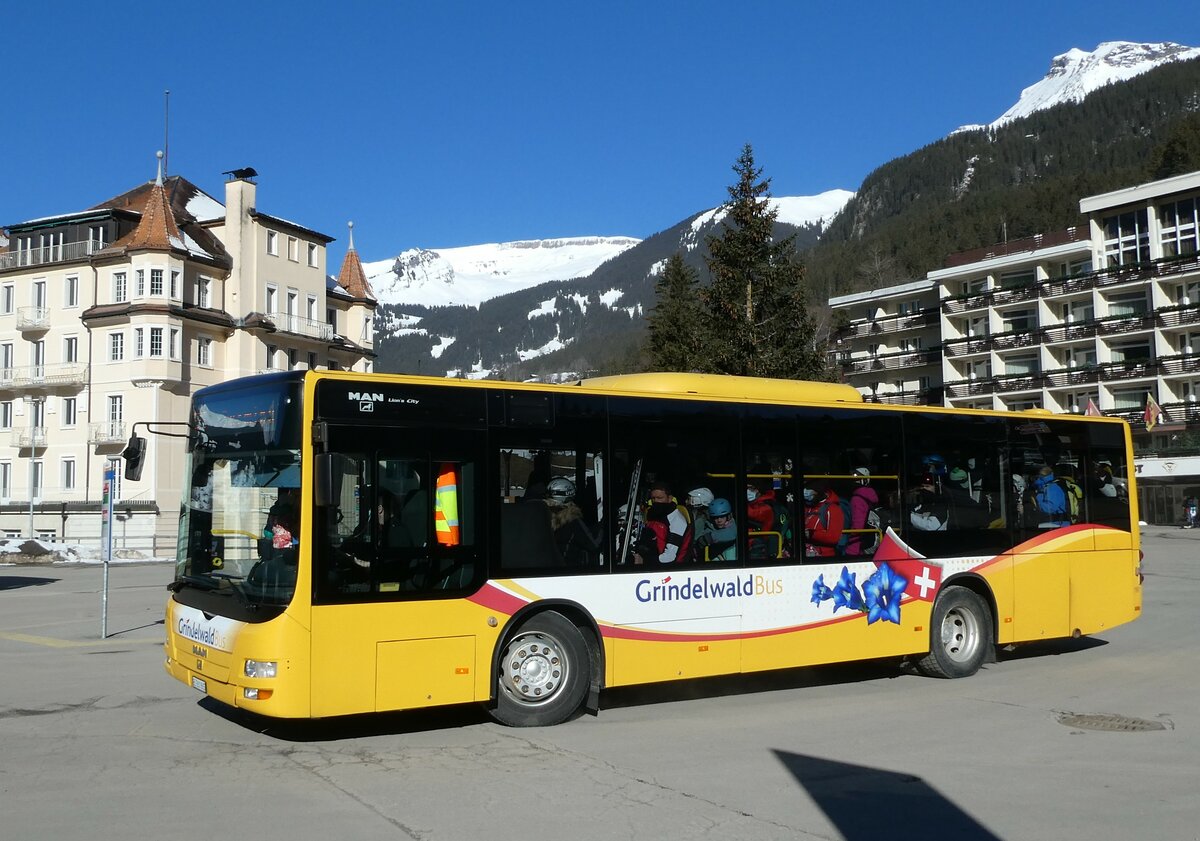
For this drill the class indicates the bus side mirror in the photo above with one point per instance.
(329, 470)
(135, 456)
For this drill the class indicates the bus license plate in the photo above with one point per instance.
(197, 683)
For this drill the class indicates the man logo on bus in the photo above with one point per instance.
(365, 396)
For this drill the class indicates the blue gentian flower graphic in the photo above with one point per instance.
(883, 591)
(820, 592)
(845, 592)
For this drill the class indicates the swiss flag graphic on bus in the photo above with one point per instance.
(923, 575)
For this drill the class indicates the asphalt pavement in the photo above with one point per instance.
(1094, 739)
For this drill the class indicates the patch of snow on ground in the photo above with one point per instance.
(443, 343)
(544, 308)
(20, 550)
(554, 344)
(610, 297)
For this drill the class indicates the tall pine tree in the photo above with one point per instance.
(758, 322)
(676, 332)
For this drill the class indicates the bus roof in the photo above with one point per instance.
(723, 385)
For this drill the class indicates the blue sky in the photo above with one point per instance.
(438, 124)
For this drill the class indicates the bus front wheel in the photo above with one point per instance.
(960, 635)
(543, 672)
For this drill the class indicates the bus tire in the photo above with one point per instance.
(543, 673)
(960, 635)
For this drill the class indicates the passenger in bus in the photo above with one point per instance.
(667, 536)
(824, 521)
(716, 540)
(767, 516)
(967, 512)
(862, 499)
(576, 543)
(1051, 500)
(931, 512)
(283, 520)
(698, 500)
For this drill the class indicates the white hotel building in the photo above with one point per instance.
(117, 314)
(1107, 312)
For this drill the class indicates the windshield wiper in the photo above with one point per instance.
(196, 581)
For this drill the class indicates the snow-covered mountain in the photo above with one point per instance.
(469, 275)
(1076, 73)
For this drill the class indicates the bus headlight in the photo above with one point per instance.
(261, 668)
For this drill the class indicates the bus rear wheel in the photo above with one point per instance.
(543, 672)
(960, 635)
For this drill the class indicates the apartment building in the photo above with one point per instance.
(1106, 314)
(117, 314)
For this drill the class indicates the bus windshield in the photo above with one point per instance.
(240, 523)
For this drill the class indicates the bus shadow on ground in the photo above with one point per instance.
(868, 803)
(16, 582)
(1047, 648)
(363, 726)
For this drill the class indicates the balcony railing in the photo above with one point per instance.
(33, 318)
(29, 436)
(892, 361)
(106, 432)
(65, 253)
(971, 388)
(288, 323)
(888, 324)
(68, 374)
(967, 346)
(1073, 376)
(1184, 363)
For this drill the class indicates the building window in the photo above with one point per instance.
(139, 283)
(203, 288)
(120, 290)
(6, 414)
(139, 342)
(312, 254)
(1018, 280)
(174, 342)
(1127, 400)
(71, 291)
(71, 349)
(1138, 351)
(5, 482)
(95, 238)
(1074, 268)
(68, 474)
(1128, 304)
(37, 480)
(204, 351)
(156, 341)
(1126, 239)
(156, 282)
(1078, 312)
(175, 285)
(291, 354)
(271, 349)
(311, 312)
(1024, 364)
(272, 300)
(116, 347)
(331, 318)
(1177, 227)
(1020, 321)
(974, 287)
(332, 365)
(312, 361)
(69, 409)
(1082, 357)
(7, 299)
(273, 243)
(6, 360)
(293, 250)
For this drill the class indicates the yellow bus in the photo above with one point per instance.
(355, 543)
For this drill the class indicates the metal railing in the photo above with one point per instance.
(34, 376)
(65, 253)
(33, 318)
(299, 326)
(106, 432)
(29, 436)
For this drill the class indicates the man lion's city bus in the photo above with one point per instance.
(357, 543)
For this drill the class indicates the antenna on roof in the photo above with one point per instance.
(166, 127)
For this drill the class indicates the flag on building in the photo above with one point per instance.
(1154, 413)
(1092, 409)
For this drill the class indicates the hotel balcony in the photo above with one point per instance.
(33, 318)
(67, 375)
(106, 433)
(887, 324)
(894, 361)
(65, 253)
(297, 326)
(29, 437)
(921, 397)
